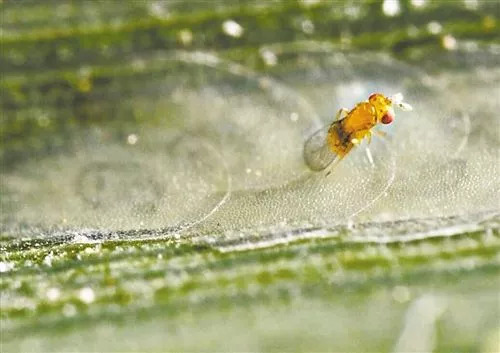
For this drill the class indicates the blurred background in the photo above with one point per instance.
(154, 194)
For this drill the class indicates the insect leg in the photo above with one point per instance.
(369, 136)
(331, 166)
(340, 113)
(369, 156)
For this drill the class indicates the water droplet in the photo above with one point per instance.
(352, 11)
(434, 27)
(269, 57)
(86, 295)
(232, 28)
(418, 3)
(471, 4)
(307, 26)
(308, 3)
(449, 42)
(82, 239)
(185, 36)
(53, 294)
(157, 9)
(132, 139)
(391, 7)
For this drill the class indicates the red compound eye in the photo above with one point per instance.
(387, 118)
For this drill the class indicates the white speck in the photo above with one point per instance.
(157, 9)
(86, 295)
(391, 7)
(53, 294)
(185, 36)
(488, 236)
(352, 11)
(84, 71)
(82, 239)
(132, 139)
(47, 261)
(232, 28)
(258, 173)
(89, 251)
(269, 58)
(69, 310)
(294, 116)
(159, 256)
(248, 170)
(449, 42)
(205, 58)
(434, 27)
(471, 4)
(307, 3)
(6, 266)
(307, 26)
(43, 119)
(418, 3)
(401, 294)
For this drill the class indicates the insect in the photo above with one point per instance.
(333, 142)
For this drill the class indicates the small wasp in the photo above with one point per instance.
(333, 142)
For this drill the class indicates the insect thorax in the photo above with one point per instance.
(362, 117)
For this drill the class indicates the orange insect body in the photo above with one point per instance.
(337, 140)
(358, 123)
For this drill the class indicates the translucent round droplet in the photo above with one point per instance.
(167, 155)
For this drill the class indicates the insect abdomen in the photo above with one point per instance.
(339, 139)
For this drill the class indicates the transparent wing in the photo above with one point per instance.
(398, 100)
(317, 153)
